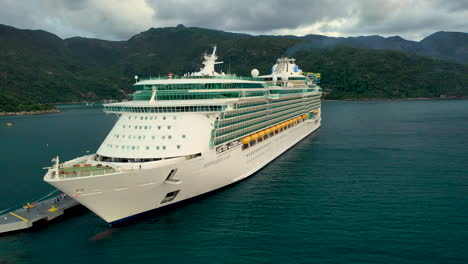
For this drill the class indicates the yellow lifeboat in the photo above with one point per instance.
(261, 134)
(267, 131)
(9, 124)
(254, 136)
(246, 140)
(316, 111)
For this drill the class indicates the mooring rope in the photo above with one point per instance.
(31, 200)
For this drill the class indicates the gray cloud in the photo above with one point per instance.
(121, 19)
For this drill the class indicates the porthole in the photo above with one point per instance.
(141, 118)
(139, 137)
(159, 127)
(146, 127)
(123, 147)
(164, 118)
(152, 137)
(157, 147)
(147, 148)
(164, 147)
(140, 127)
(129, 117)
(136, 127)
(151, 118)
(183, 136)
(123, 126)
(146, 118)
(168, 127)
(133, 147)
(178, 146)
(163, 137)
(169, 137)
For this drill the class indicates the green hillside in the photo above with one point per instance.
(37, 67)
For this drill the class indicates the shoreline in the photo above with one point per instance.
(51, 111)
(394, 99)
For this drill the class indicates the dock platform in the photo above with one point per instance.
(29, 214)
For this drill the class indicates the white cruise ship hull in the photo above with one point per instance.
(118, 196)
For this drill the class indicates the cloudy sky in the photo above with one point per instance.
(121, 19)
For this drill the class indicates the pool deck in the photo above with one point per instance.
(45, 210)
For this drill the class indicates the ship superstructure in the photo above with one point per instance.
(184, 136)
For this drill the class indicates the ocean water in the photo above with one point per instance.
(380, 182)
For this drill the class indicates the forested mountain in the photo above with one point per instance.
(442, 45)
(39, 67)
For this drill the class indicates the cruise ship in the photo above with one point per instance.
(183, 136)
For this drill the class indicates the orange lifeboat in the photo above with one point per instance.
(261, 134)
(254, 136)
(246, 140)
(267, 131)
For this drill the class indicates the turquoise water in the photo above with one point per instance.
(381, 182)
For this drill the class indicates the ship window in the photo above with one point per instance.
(183, 136)
(159, 127)
(164, 118)
(157, 147)
(136, 127)
(139, 137)
(178, 146)
(141, 118)
(128, 147)
(133, 147)
(140, 127)
(123, 136)
(164, 147)
(168, 127)
(169, 137)
(146, 127)
(151, 118)
(163, 137)
(123, 126)
(170, 196)
(152, 137)
(175, 118)
(129, 117)
(147, 148)
(146, 118)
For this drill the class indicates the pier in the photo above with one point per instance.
(30, 213)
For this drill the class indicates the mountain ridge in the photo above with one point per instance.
(39, 67)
